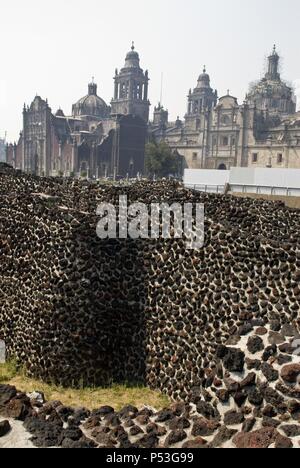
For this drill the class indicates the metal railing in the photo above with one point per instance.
(264, 189)
(244, 188)
(208, 188)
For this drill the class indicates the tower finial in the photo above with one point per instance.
(204, 69)
(132, 46)
(93, 79)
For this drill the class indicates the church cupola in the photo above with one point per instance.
(273, 73)
(92, 88)
(272, 94)
(203, 80)
(91, 105)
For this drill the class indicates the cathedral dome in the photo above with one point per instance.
(271, 93)
(91, 105)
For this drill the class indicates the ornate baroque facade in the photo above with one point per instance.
(97, 140)
(219, 133)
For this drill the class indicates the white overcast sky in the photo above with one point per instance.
(54, 47)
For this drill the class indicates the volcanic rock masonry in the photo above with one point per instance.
(217, 328)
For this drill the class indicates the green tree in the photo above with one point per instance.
(161, 160)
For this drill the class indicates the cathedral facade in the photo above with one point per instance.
(219, 133)
(97, 140)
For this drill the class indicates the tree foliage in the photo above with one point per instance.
(161, 160)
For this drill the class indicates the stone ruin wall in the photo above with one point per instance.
(75, 309)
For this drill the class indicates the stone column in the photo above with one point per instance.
(116, 89)
(60, 166)
(146, 90)
(130, 90)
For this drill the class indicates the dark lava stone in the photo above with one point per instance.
(175, 437)
(255, 397)
(234, 360)
(222, 436)
(283, 442)
(135, 430)
(7, 393)
(275, 325)
(270, 422)
(272, 397)
(287, 348)
(204, 428)
(45, 434)
(269, 411)
(4, 428)
(149, 441)
(232, 418)
(83, 443)
(179, 424)
(269, 372)
(72, 434)
(128, 411)
(64, 412)
(253, 364)
(240, 398)
(245, 329)
(269, 352)
(103, 411)
(164, 415)
(282, 360)
(291, 430)
(248, 425)
(223, 395)
(207, 410)
(255, 344)
(249, 380)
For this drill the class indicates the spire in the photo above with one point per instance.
(204, 69)
(273, 59)
(93, 87)
(132, 46)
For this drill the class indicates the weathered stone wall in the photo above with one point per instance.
(76, 309)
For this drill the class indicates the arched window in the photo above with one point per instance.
(222, 167)
(225, 141)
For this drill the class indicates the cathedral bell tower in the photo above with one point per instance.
(131, 89)
(201, 101)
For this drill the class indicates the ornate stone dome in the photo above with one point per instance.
(204, 80)
(132, 59)
(91, 105)
(271, 92)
